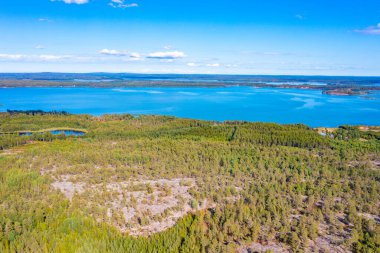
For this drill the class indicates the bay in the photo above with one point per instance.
(285, 106)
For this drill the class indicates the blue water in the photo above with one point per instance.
(226, 103)
(57, 132)
(67, 132)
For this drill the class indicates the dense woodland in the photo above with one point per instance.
(264, 183)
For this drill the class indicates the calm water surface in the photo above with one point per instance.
(228, 103)
(57, 132)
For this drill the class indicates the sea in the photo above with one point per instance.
(243, 103)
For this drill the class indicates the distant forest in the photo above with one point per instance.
(328, 84)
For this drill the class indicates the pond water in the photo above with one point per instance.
(57, 132)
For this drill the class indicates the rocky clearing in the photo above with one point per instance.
(136, 207)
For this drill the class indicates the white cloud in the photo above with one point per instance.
(105, 55)
(122, 54)
(113, 52)
(167, 55)
(299, 16)
(214, 65)
(35, 58)
(193, 64)
(121, 4)
(373, 30)
(71, 1)
(48, 57)
(135, 55)
(12, 57)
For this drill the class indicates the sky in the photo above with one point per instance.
(294, 37)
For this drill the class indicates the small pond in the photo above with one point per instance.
(57, 132)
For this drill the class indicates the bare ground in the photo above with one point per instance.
(139, 207)
(369, 216)
(13, 151)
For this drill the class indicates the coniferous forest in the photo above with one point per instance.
(165, 184)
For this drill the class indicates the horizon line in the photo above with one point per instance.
(188, 74)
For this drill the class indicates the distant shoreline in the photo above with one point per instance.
(338, 90)
(330, 85)
(362, 127)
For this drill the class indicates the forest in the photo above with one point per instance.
(330, 85)
(165, 184)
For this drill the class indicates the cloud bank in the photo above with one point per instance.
(168, 55)
(113, 52)
(71, 1)
(373, 30)
(36, 58)
(214, 65)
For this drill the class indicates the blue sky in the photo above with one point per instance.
(176, 36)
